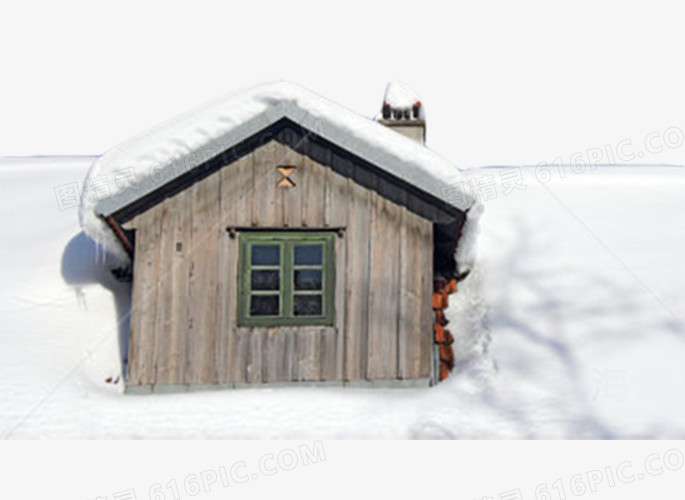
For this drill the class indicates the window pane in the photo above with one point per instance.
(308, 279)
(308, 305)
(266, 255)
(264, 305)
(265, 279)
(308, 255)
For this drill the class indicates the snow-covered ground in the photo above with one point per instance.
(570, 325)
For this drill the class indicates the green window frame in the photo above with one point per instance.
(286, 278)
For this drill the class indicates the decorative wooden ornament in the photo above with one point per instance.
(286, 181)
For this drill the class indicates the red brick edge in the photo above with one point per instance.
(443, 338)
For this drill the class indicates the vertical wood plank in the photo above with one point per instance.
(151, 229)
(211, 303)
(241, 175)
(266, 209)
(292, 366)
(426, 339)
(336, 206)
(236, 210)
(329, 354)
(163, 358)
(391, 302)
(375, 277)
(193, 332)
(135, 352)
(223, 304)
(313, 188)
(255, 355)
(358, 237)
(382, 354)
(201, 367)
(274, 368)
(328, 202)
(412, 262)
(340, 309)
(309, 353)
(179, 233)
(238, 367)
(227, 345)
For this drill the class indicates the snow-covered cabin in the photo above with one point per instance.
(274, 236)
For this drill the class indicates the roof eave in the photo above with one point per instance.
(329, 130)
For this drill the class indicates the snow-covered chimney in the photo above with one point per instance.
(402, 111)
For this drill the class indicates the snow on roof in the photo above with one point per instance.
(226, 121)
(47, 161)
(400, 95)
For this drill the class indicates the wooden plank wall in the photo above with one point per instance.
(183, 324)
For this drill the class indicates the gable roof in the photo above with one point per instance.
(178, 146)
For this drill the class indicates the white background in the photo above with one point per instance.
(503, 83)
(467, 470)
(507, 83)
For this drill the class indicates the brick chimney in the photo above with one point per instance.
(402, 111)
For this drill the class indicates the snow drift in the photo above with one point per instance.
(569, 326)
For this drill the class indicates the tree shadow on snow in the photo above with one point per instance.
(82, 265)
(581, 419)
(559, 321)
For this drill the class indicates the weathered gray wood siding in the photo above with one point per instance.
(183, 324)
